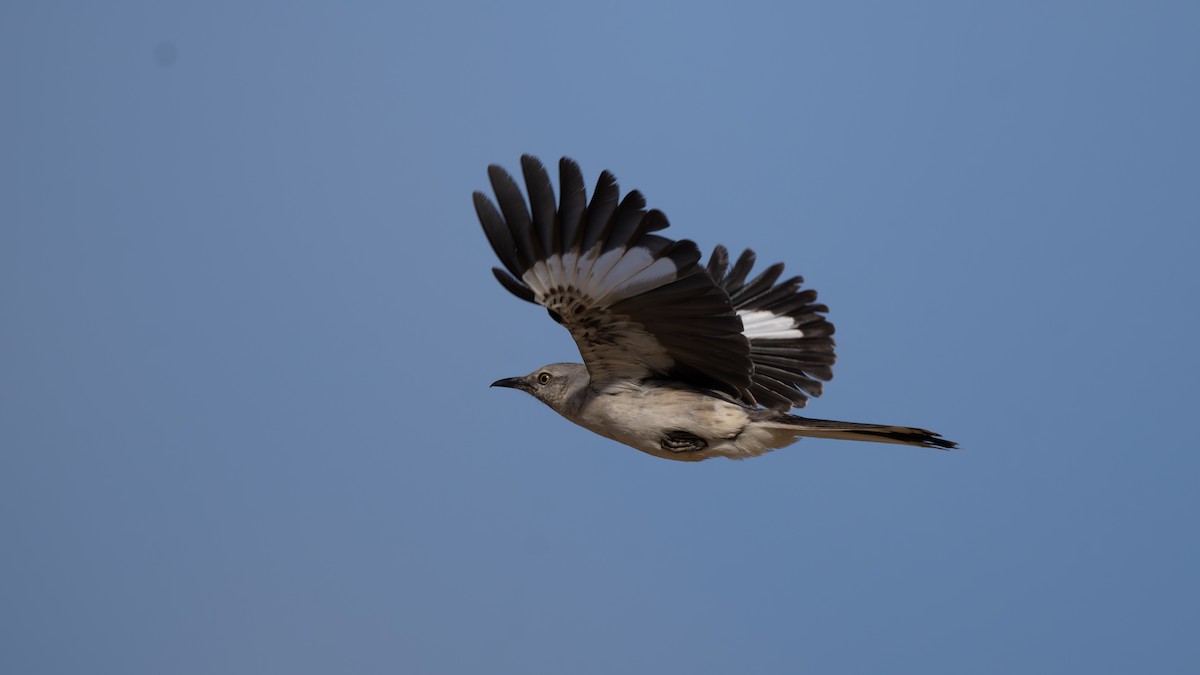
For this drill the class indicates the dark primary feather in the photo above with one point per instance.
(541, 198)
(600, 210)
(516, 215)
(498, 234)
(573, 204)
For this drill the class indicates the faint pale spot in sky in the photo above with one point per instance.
(165, 53)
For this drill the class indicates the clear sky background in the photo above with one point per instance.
(247, 326)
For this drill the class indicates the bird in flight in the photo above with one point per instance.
(680, 360)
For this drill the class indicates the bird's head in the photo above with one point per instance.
(556, 385)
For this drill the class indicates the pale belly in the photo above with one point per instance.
(642, 417)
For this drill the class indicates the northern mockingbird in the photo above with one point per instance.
(681, 361)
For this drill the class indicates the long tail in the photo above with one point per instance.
(853, 431)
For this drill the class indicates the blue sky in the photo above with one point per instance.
(249, 324)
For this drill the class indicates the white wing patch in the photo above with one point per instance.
(761, 324)
(604, 279)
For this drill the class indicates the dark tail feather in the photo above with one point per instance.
(853, 431)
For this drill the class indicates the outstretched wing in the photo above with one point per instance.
(791, 343)
(638, 305)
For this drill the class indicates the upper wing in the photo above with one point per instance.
(791, 344)
(637, 304)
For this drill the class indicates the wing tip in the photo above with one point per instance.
(512, 285)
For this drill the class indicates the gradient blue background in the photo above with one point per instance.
(248, 327)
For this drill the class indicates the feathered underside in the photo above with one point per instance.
(637, 304)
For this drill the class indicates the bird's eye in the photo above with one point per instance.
(543, 378)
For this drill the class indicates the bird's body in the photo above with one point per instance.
(703, 425)
(678, 358)
(631, 412)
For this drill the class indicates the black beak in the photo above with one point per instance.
(512, 383)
